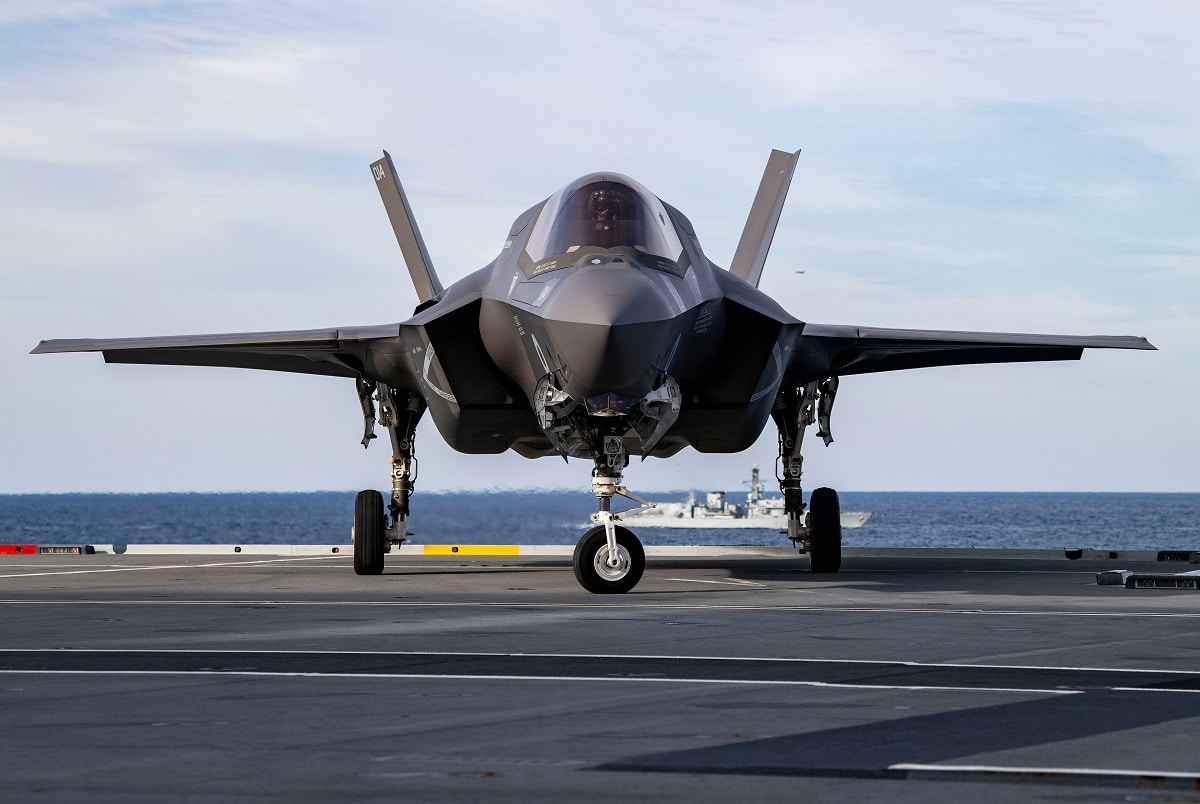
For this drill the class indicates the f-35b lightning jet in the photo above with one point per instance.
(600, 331)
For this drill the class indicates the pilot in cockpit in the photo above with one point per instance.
(605, 208)
(612, 216)
(602, 211)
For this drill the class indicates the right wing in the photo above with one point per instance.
(342, 352)
(438, 351)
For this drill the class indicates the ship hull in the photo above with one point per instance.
(851, 520)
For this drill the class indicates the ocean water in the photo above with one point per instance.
(899, 519)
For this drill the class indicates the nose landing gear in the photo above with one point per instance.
(604, 571)
(609, 559)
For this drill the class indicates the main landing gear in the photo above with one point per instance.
(609, 559)
(372, 536)
(817, 531)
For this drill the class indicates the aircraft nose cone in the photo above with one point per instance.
(612, 331)
(608, 295)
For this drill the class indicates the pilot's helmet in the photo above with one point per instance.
(604, 207)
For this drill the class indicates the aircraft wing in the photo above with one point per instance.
(338, 352)
(865, 350)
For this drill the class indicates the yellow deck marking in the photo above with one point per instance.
(472, 550)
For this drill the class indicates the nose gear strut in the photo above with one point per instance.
(609, 559)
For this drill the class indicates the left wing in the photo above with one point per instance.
(849, 350)
(340, 352)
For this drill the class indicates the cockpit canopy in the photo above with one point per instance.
(603, 210)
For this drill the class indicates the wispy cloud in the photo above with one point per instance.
(168, 166)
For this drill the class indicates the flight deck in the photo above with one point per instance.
(278, 674)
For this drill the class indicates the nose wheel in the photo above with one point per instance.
(609, 559)
(603, 571)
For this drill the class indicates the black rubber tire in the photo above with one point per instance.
(370, 533)
(593, 549)
(825, 531)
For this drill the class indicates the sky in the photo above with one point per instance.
(196, 167)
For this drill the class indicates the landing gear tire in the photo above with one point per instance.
(825, 531)
(370, 533)
(591, 562)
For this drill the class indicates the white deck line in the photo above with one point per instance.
(1148, 776)
(663, 551)
(540, 679)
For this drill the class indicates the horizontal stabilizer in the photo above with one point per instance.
(752, 249)
(416, 257)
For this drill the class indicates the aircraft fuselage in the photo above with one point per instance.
(606, 338)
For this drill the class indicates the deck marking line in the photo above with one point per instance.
(914, 766)
(173, 566)
(472, 550)
(586, 606)
(722, 583)
(467, 677)
(663, 657)
(1147, 775)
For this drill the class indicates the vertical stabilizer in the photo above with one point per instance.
(420, 267)
(752, 249)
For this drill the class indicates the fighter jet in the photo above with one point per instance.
(601, 331)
